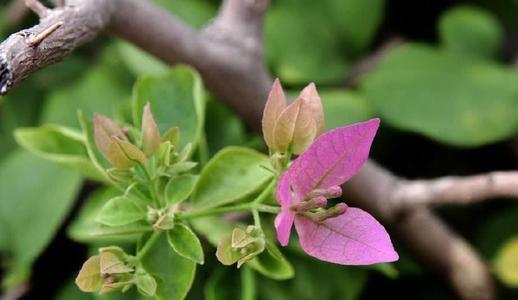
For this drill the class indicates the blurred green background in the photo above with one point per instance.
(446, 91)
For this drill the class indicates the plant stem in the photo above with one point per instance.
(263, 196)
(149, 244)
(223, 210)
(257, 218)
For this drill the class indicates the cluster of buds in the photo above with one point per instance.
(162, 219)
(124, 149)
(292, 128)
(316, 202)
(113, 270)
(242, 246)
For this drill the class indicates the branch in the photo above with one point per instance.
(229, 56)
(81, 22)
(457, 190)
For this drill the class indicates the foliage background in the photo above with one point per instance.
(448, 99)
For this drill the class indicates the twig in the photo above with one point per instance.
(37, 8)
(36, 40)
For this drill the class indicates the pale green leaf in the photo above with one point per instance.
(179, 188)
(447, 97)
(173, 273)
(185, 242)
(176, 98)
(61, 145)
(232, 174)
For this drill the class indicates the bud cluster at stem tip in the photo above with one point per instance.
(124, 149)
(242, 246)
(292, 127)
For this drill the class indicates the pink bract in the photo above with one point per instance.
(353, 238)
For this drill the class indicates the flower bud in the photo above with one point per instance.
(313, 203)
(166, 220)
(241, 246)
(104, 130)
(332, 212)
(123, 155)
(312, 99)
(330, 193)
(294, 127)
(113, 261)
(105, 272)
(275, 104)
(150, 132)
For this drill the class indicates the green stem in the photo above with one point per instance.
(229, 209)
(149, 244)
(257, 218)
(266, 192)
(152, 187)
(268, 209)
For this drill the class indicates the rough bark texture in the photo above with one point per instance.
(229, 55)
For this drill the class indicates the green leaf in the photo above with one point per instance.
(212, 228)
(185, 242)
(173, 273)
(146, 284)
(301, 44)
(140, 62)
(506, 263)
(447, 97)
(272, 263)
(316, 280)
(35, 197)
(223, 128)
(176, 98)
(222, 284)
(61, 145)
(120, 210)
(20, 108)
(471, 31)
(310, 40)
(232, 174)
(343, 107)
(181, 167)
(85, 227)
(356, 27)
(179, 188)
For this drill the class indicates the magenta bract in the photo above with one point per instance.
(351, 238)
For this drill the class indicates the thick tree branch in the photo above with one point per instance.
(229, 55)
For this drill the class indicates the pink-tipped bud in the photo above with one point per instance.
(332, 192)
(332, 212)
(305, 206)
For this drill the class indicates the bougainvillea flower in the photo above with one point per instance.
(340, 234)
(297, 124)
